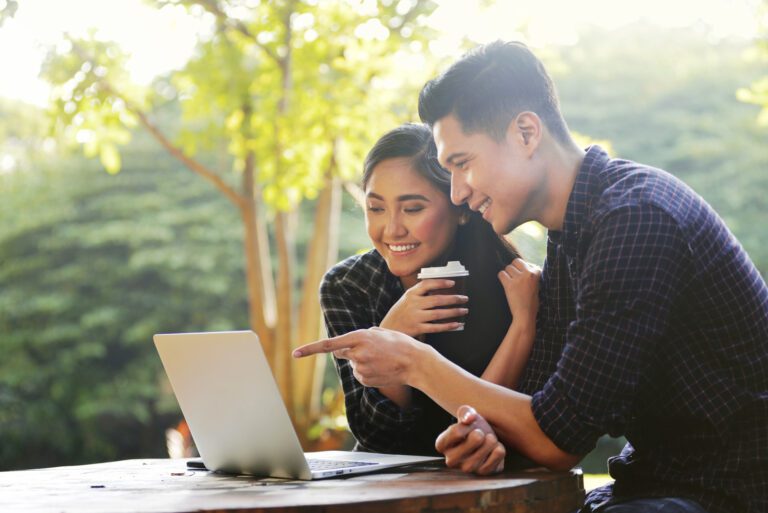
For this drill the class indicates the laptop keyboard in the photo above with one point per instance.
(334, 464)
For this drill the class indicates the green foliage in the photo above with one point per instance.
(92, 267)
(757, 93)
(294, 83)
(298, 88)
(672, 104)
(84, 108)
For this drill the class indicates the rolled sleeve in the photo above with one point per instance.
(559, 418)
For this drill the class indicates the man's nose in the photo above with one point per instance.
(460, 192)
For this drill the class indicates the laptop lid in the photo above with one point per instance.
(231, 402)
(236, 414)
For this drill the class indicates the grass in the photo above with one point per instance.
(592, 481)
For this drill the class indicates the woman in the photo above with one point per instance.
(412, 224)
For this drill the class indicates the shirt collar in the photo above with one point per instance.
(580, 202)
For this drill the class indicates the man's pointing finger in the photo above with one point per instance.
(328, 345)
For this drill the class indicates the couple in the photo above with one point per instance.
(651, 321)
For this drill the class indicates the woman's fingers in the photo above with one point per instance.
(445, 313)
(439, 327)
(439, 300)
(426, 286)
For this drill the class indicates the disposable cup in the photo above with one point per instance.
(455, 272)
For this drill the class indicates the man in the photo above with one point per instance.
(655, 315)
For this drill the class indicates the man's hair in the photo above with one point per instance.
(491, 85)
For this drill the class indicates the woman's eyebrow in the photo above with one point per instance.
(402, 197)
(408, 197)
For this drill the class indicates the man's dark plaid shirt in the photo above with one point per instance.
(662, 320)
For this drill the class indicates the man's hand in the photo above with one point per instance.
(471, 444)
(379, 357)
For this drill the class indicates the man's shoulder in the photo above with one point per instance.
(624, 184)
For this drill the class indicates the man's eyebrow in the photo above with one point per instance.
(453, 156)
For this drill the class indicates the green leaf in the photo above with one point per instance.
(110, 158)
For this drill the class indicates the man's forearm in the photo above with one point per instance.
(509, 412)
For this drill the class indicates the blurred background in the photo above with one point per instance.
(179, 165)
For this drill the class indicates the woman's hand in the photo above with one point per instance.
(521, 286)
(415, 311)
(520, 280)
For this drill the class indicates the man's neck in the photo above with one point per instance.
(563, 161)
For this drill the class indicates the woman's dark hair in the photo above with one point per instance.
(477, 246)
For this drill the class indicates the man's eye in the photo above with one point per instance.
(460, 165)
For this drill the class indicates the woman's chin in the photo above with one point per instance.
(401, 272)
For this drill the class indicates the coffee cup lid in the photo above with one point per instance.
(451, 270)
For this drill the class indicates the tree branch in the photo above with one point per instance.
(213, 7)
(356, 192)
(190, 163)
(155, 131)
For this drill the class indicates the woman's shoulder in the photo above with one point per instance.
(357, 272)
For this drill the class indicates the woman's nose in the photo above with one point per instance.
(395, 226)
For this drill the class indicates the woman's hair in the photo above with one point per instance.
(477, 246)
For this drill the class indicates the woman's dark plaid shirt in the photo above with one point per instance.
(664, 321)
(357, 293)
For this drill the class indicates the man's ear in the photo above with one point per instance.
(526, 130)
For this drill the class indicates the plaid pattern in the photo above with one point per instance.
(664, 321)
(357, 293)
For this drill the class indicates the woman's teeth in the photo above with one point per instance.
(482, 208)
(398, 248)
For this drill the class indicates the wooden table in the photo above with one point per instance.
(166, 486)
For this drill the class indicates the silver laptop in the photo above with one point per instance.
(237, 417)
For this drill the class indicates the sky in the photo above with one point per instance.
(161, 40)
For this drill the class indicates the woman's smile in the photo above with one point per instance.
(403, 249)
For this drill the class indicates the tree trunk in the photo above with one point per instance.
(282, 364)
(323, 251)
(258, 268)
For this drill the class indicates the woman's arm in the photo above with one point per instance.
(521, 285)
(508, 362)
